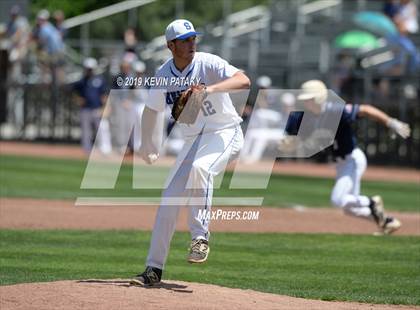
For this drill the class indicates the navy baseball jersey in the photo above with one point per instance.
(91, 88)
(345, 139)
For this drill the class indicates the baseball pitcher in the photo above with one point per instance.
(197, 92)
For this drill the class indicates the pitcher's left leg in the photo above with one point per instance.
(215, 152)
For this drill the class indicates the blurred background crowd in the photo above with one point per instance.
(59, 61)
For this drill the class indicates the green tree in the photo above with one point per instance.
(152, 18)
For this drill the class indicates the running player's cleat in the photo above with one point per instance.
(390, 225)
(377, 208)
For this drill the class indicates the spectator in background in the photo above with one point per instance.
(258, 139)
(51, 48)
(17, 34)
(4, 64)
(266, 126)
(48, 37)
(267, 105)
(391, 8)
(405, 18)
(58, 23)
(91, 97)
(130, 40)
(342, 77)
(122, 104)
(140, 97)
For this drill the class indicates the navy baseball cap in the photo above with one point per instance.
(180, 29)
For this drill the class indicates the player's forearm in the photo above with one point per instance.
(395, 125)
(374, 114)
(238, 81)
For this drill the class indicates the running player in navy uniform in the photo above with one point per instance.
(351, 161)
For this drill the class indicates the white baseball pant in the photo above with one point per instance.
(190, 183)
(346, 191)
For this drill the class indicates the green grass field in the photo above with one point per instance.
(61, 179)
(328, 267)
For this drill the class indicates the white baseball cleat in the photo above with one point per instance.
(390, 225)
(199, 251)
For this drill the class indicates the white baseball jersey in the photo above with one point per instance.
(217, 112)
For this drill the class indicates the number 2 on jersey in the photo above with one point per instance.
(207, 108)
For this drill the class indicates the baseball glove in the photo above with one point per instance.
(188, 105)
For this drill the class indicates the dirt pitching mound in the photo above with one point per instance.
(118, 294)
